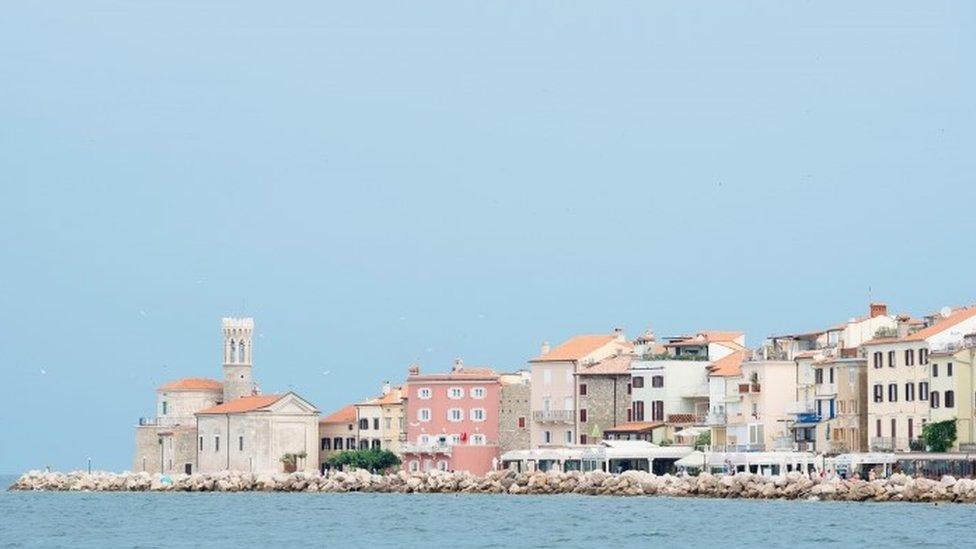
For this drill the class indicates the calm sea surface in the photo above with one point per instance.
(436, 520)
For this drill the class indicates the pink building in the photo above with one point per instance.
(452, 420)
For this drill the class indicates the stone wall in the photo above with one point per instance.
(514, 404)
(606, 402)
(165, 449)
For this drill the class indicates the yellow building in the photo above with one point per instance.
(952, 389)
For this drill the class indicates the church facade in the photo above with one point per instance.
(206, 425)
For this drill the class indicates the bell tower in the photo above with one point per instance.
(238, 345)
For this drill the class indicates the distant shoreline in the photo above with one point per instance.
(792, 486)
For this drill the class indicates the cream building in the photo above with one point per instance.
(553, 387)
(204, 425)
(899, 376)
(757, 403)
(338, 432)
(952, 390)
(381, 422)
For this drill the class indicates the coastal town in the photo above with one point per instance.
(876, 395)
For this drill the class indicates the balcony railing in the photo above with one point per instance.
(564, 416)
(434, 448)
(715, 418)
(686, 419)
(749, 388)
(752, 447)
(166, 421)
(895, 444)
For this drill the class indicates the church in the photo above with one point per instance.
(205, 425)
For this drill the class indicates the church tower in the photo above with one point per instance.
(238, 346)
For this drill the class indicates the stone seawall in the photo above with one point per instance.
(898, 487)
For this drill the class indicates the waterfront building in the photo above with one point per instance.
(338, 432)
(952, 390)
(603, 396)
(757, 402)
(899, 402)
(452, 420)
(554, 386)
(514, 411)
(841, 388)
(670, 382)
(205, 425)
(380, 420)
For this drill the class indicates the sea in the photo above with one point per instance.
(98, 520)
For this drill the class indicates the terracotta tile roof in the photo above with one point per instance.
(346, 414)
(634, 427)
(614, 365)
(395, 396)
(460, 375)
(729, 366)
(706, 337)
(192, 384)
(576, 348)
(243, 404)
(958, 316)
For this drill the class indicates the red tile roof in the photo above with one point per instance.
(706, 337)
(957, 317)
(729, 366)
(243, 404)
(615, 365)
(192, 384)
(463, 374)
(576, 348)
(346, 414)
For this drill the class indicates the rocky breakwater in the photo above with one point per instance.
(632, 483)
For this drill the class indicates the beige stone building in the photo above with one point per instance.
(204, 425)
(843, 425)
(899, 375)
(553, 389)
(380, 420)
(514, 412)
(952, 390)
(338, 432)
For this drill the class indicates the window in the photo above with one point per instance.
(818, 375)
(477, 414)
(894, 427)
(638, 382)
(240, 444)
(478, 392)
(923, 356)
(201, 444)
(950, 399)
(893, 392)
(638, 410)
(337, 443)
(582, 389)
(582, 415)
(582, 439)
(423, 393)
(442, 465)
(455, 393)
(521, 423)
(547, 437)
(455, 414)
(423, 440)
(423, 414)
(909, 357)
(831, 375)
(376, 423)
(909, 392)
(569, 437)
(414, 466)
(878, 359)
(878, 393)
(629, 389)
(948, 370)
(630, 414)
(657, 410)
(657, 381)
(935, 370)
(364, 424)
(217, 443)
(350, 443)
(164, 407)
(891, 359)
(911, 429)
(934, 399)
(375, 445)
(477, 440)
(923, 390)
(877, 426)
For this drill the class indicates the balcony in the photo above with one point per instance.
(796, 408)
(554, 416)
(431, 448)
(686, 419)
(808, 417)
(715, 418)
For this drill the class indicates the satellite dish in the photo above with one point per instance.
(945, 312)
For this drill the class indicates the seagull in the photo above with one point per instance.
(43, 372)
(326, 372)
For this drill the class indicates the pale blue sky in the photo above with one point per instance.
(378, 183)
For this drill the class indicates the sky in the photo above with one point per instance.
(380, 183)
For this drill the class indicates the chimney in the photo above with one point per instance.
(878, 309)
(545, 348)
(458, 364)
(414, 370)
(386, 388)
(619, 332)
(902, 325)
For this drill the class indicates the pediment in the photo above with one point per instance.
(292, 404)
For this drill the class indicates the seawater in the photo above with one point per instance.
(43, 519)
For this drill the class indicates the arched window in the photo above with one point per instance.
(375, 445)
(241, 356)
(233, 352)
(934, 399)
